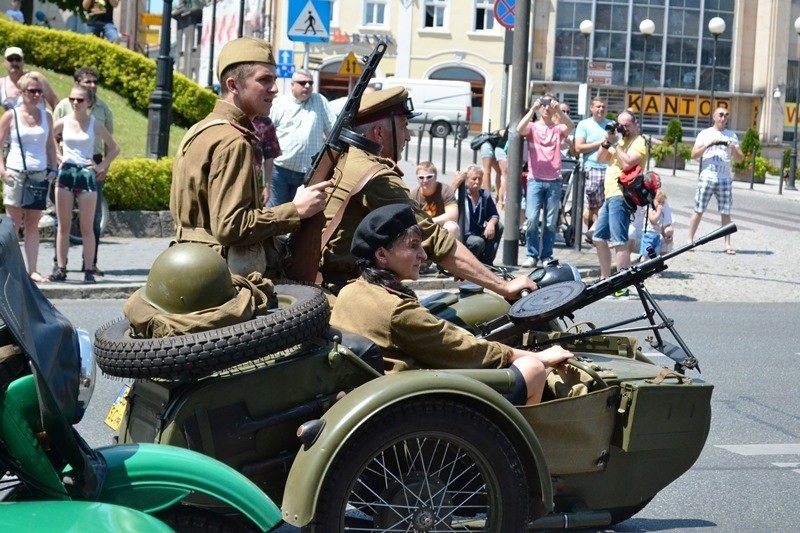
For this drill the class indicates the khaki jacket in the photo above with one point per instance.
(214, 197)
(408, 334)
(387, 187)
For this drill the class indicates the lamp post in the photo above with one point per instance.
(793, 157)
(159, 110)
(647, 27)
(716, 26)
(587, 27)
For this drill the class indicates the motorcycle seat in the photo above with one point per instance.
(365, 349)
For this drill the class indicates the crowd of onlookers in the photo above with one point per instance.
(64, 146)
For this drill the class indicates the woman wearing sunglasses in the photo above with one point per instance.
(28, 128)
(77, 177)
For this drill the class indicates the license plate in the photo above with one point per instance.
(117, 410)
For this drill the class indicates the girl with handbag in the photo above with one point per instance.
(29, 165)
(77, 177)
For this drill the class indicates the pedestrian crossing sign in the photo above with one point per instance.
(309, 21)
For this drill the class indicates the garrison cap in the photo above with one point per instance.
(244, 50)
(385, 103)
(13, 51)
(380, 227)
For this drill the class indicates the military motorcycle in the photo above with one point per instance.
(51, 478)
(316, 423)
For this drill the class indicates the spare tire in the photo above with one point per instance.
(302, 314)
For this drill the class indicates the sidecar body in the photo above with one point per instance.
(320, 427)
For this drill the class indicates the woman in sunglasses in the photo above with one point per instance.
(77, 177)
(28, 129)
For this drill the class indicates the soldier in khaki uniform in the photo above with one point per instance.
(214, 197)
(383, 119)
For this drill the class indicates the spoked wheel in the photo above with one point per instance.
(426, 465)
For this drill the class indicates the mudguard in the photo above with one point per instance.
(348, 414)
(152, 477)
(75, 516)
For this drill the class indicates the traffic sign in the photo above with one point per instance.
(600, 73)
(309, 21)
(504, 13)
(350, 66)
(284, 71)
(285, 57)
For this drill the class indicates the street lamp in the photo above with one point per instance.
(647, 27)
(159, 110)
(793, 158)
(587, 27)
(716, 26)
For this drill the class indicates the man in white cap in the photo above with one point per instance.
(10, 95)
(214, 197)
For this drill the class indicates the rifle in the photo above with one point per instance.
(306, 243)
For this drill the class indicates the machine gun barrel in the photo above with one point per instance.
(641, 271)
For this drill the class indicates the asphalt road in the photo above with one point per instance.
(748, 476)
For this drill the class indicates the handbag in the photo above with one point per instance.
(478, 140)
(34, 191)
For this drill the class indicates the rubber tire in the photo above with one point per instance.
(437, 420)
(188, 519)
(440, 129)
(75, 236)
(199, 354)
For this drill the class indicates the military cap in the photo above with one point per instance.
(244, 50)
(382, 104)
(380, 227)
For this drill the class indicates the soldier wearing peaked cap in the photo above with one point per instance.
(214, 198)
(366, 180)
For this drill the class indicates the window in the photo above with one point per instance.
(484, 15)
(435, 13)
(375, 13)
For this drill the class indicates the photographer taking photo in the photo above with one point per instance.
(623, 148)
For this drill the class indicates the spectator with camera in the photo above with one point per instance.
(622, 148)
(718, 146)
(589, 135)
(544, 137)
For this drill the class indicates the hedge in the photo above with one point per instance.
(129, 74)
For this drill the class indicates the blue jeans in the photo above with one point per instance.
(542, 195)
(613, 221)
(283, 185)
(104, 29)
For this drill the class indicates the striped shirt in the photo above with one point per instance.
(302, 128)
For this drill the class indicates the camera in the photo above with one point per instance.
(545, 102)
(616, 127)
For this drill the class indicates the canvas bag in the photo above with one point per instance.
(34, 189)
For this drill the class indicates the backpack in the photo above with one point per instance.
(638, 187)
(492, 138)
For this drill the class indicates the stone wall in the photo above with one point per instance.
(140, 224)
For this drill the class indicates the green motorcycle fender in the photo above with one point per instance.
(152, 477)
(348, 414)
(77, 517)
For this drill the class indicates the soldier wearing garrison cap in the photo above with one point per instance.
(214, 198)
(369, 180)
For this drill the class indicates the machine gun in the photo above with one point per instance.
(563, 299)
(306, 243)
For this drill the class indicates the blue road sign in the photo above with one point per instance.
(284, 71)
(504, 13)
(309, 21)
(285, 57)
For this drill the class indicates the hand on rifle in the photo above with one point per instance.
(310, 200)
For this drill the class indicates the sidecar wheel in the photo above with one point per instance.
(425, 465)
(302, 315)
(188, 519)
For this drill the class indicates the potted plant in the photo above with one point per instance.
(750, 146)
(664, 153)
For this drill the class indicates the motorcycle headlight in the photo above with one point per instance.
(88, 372)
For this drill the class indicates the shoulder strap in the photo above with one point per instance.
(337, 219)
(19, 140)
(196, 130)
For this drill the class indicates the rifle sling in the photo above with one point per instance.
(337, 219)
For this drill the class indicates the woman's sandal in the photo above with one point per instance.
(730, 251)
(37, 278)
(59, 274)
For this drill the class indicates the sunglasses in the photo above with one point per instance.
(34, 91)
(14, 59)
(425, 177)
(723, 114)
(307, 83)
(77, 100)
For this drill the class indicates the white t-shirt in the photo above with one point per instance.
(716, 161)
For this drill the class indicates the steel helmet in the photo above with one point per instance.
(188, 277)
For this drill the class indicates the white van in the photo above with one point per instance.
(443, 101)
